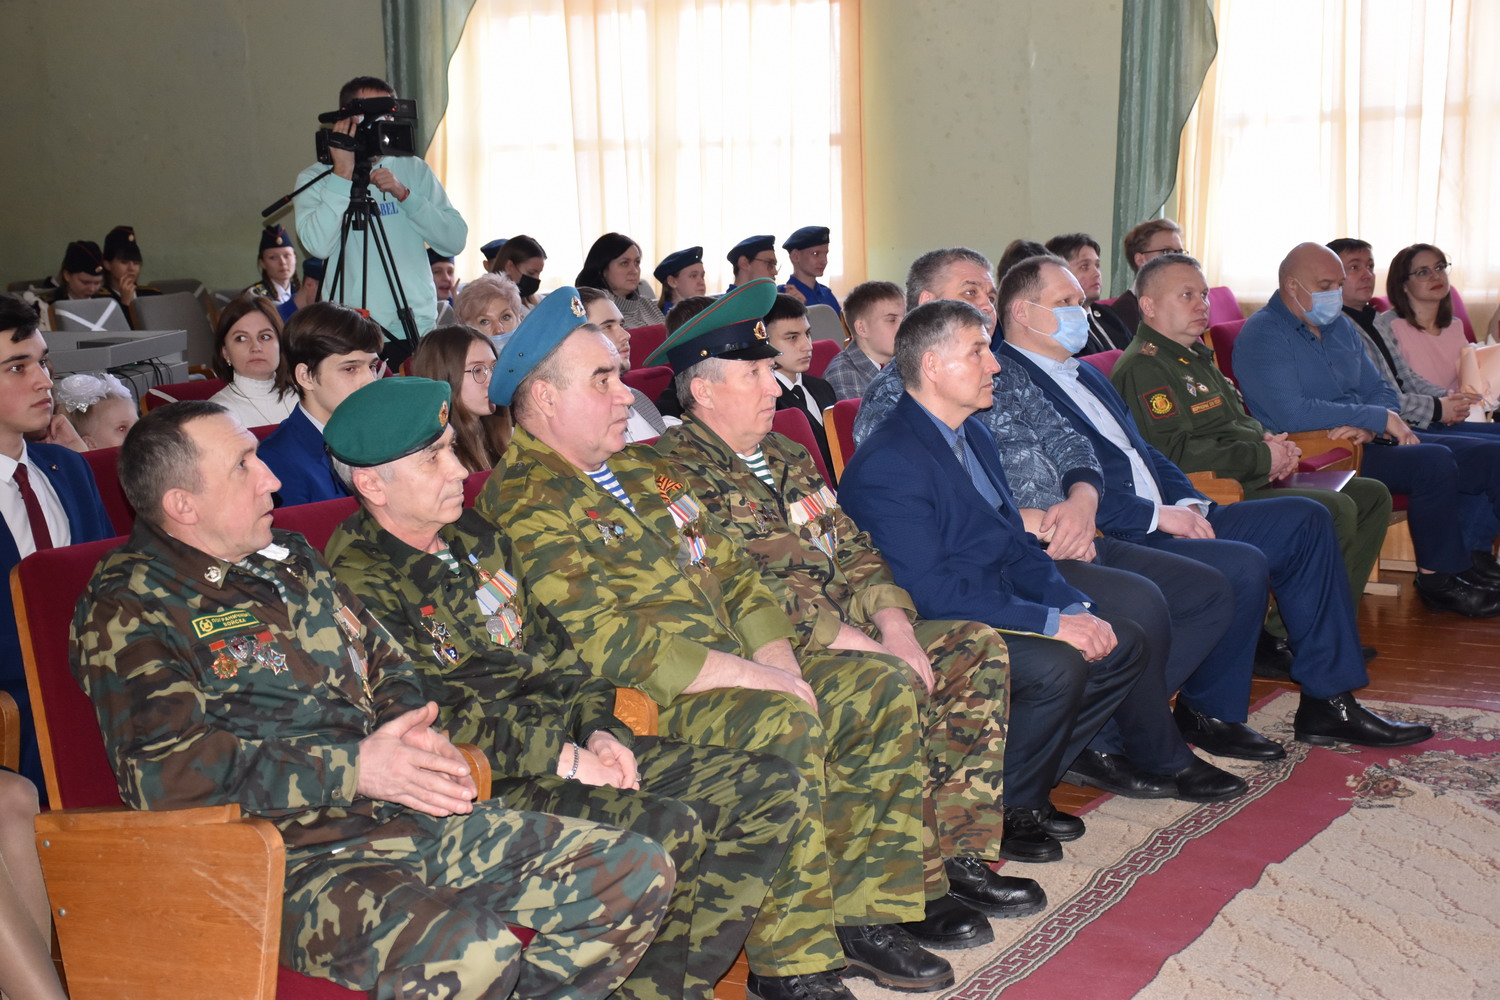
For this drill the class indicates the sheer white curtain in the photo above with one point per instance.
(1327, 118)
(677, 122)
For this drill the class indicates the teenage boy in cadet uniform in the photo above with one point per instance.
(807, 249)
(506, 677)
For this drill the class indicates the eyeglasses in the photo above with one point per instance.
(1423, 273)
(772, 263)
(1154, 253)
(480, 373)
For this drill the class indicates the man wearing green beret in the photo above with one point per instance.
(657, 598)
(507, 678)
(764, 491)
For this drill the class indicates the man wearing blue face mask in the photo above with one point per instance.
(1302, 366)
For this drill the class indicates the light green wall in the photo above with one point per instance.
(182, 118)
(984, 121)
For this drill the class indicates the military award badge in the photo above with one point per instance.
(610, 531)
(497, 602)
(817, 510)
(687, 514)
(443, 649)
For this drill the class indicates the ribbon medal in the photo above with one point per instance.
(225, 665)
(687, 514)
(762, 522)
(610, 531)
(817, 510)
(263, 650)
(442, 640)
(496, 602)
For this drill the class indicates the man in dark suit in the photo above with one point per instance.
(1149, 500)
(929, 488)
(789, 332)
(47, 492)
(1107, 330)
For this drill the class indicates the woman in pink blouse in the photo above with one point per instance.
(1424, 326)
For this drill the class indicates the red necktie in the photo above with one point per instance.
(40, 535)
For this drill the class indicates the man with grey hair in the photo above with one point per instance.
(657, 596)
(929, 488)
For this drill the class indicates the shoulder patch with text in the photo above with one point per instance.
(228, 621)
(1159, 403)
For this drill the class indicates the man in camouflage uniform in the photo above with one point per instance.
(765, 491)
(506, 677)
(659, 599)
(227, 665)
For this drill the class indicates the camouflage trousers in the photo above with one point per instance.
(421, 908)
(723, 815)
(964, 728)
(855, 856)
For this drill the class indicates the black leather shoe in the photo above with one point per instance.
(1368, 652)
(1485, 569)
(1114, 773)
(981, 888)
(949, 922)
(1457, 594)
(1023, 839)
(1273, 658)
(889, 955)
(1224, 739)
(1200, 781)
(813, 986)
(1340, 719)
(1060, 825)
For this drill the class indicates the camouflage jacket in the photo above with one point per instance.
(645, 595)
(824, 568)
(519, 691)
(212, 686)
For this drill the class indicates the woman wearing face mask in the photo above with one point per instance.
(465, 359)
(613, 266)
(682, 276)
(491, 304)
(521, 259)
(1421, 316)
(247, 355)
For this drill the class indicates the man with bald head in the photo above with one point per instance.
(1302, 366)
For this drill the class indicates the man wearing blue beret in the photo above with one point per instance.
(808, 250)
(752, 257)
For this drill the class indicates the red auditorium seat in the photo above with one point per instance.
(1223, 307)
(315, 521)
(644, 340)
(839, 424)
(793, 423)
(824, 351)
(650, 382)
(176, 392)
(473, 483)
(1221, 338)
(1104, 360)
(105, 464)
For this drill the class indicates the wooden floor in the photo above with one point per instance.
(1425, 656)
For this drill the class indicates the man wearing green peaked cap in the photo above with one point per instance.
(658, 598)
(506, 677)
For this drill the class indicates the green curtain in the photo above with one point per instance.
(1165, 50)
(420, 36)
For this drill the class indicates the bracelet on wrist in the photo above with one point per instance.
(577, 755)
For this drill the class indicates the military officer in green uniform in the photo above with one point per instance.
(227, 664)
(505, 677)
(656, 597)
(764, 491)
(1191, 413)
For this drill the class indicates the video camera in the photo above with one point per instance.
(388, 128)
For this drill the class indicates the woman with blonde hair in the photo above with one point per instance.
(491, 304)
(465, 359)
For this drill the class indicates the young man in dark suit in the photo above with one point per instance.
(47, 493)
(789, 332)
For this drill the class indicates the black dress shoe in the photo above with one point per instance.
(1340, 719)
(981, 888)
(1023, 839)
(1060, 825)
(1273, 658)
(1224, 739)
(1453, 592)
(1114, 773)
(949, 922)
(812, 986)
(1200, 781)
(889, 955)
(1368, 652)
(1485, 569)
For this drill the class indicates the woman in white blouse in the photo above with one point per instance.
(247, 355)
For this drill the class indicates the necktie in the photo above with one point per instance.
(796, 393)
(41, 536)
(961, 454)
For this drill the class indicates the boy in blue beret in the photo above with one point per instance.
(808, 250)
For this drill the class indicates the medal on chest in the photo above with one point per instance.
(761, 516)
(816, 512)
(687, 514)
(441, 639)
(610, 531)
(242, 650)
(496, 599)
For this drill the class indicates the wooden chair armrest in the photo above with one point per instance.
(637, 711)
(164, 904)
(1317, 444)
(1219, 489)
(479, 767)
(10, 732)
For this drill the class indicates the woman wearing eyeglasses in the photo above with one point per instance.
(465, 359)
(1421, 319)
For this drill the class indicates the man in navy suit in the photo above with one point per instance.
(1150, 501)
(331, 350)
(47, 492)
(929, 488)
